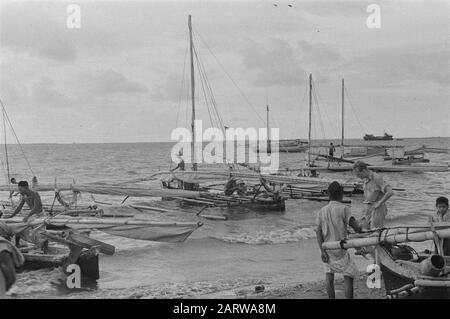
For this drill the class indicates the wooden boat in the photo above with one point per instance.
(57, 257)
(405, 271)
(402, 272)
(292, 146)
(386, 169)
(365, 151)
(409, 160)
(141, 229)
(65, 249)
(385, 137)
(257, 200)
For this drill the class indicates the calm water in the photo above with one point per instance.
(222, 256)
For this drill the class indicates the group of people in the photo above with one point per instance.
(10, 237)
(332, 222)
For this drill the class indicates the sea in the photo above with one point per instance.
(222, 259)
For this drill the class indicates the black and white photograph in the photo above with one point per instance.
(238, 152)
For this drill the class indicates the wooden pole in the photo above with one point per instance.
(191, 49)
(342, 140)
(268, 130)
(310, 110)
(392, 239)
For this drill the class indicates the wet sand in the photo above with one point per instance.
(317, 290)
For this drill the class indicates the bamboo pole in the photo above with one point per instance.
(432, 283)
(392, 239)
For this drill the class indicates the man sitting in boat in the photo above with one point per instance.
(443, 215)
(10, 258)
(234, 185)
(180, 166)
(273, 189)
(332, 221)
(376, 193)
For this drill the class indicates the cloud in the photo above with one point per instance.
(39, 29)
(319, 54)
(339, 8)
(279, 63)
(171, 90)
(45, 93)
(110, 82)
(403, 67)
(274, 63)
(26, 27)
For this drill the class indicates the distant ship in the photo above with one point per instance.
(385, 137)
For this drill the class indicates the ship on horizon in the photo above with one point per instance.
(385, 137)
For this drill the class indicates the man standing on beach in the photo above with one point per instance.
(331, 150)
(376, 193)
(332, 221)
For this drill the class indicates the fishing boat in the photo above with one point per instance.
(385, 137)
(386, 169)
(259, 198)
(409, 274)
(405, 272)
(409, 160)
(293, 146)
(66, 249)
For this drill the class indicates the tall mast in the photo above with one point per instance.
(342, 140)
(268, 130)
(310, 109)
(191, 49)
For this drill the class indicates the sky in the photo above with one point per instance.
(123, 76)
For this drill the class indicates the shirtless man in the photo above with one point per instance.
(30, 197)
(30, 234)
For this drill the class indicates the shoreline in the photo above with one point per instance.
(308, 290)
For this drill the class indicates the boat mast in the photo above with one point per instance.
(191, 49)
(268, 130)
(310, 108)
(342, 140)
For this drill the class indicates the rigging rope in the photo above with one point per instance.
(212, 97)
(318, 109)
(15, 135)
(6, 149)
(182, 80)
(353, 110)
(331, 123)
(181, 90)
(234, 83)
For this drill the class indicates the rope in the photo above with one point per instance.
(228, 75)
(353, 109)
(6, 150)
(182, 81)
(318, 109)
(15, 135)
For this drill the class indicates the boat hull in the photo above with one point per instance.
(396, 276)
(89, 265)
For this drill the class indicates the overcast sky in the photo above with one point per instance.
(118, 78)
